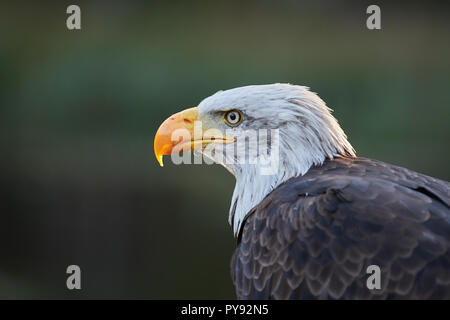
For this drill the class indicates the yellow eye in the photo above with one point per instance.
(233, 118)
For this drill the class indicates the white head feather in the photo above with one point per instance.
(308, 134)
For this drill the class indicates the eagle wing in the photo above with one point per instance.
(315, 236)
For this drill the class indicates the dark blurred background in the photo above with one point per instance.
(79, 110)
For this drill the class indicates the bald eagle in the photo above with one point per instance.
(315, 224)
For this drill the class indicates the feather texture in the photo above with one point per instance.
(314, 236)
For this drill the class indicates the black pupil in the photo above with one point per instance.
(232, 116)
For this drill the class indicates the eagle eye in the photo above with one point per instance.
(233, 117)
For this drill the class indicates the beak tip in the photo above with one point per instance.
(160, 160)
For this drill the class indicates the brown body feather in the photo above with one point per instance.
(314, 236)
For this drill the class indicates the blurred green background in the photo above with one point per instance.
(79, 110)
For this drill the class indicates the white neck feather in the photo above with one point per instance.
(252, 186)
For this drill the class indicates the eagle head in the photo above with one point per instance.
(263, 134)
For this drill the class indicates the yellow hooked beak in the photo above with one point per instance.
(178, 130)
